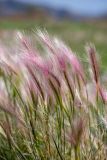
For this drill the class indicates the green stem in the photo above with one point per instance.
(76, 152)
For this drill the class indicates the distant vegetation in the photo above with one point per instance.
(75, 34)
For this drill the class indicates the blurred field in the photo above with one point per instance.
(75, 34)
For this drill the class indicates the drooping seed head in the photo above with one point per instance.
(93, 61)
(75, 135)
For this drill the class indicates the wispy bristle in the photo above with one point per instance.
(92, 55)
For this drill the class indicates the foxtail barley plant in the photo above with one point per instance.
(52, 106)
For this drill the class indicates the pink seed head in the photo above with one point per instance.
(45, 38)
(93, 61)
(76, 65)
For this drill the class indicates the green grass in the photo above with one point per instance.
(45, 113)
(49, 108)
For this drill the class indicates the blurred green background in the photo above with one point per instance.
(73, 33)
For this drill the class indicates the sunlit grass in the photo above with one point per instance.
(52, 104)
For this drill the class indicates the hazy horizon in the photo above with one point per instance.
(88, 7)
